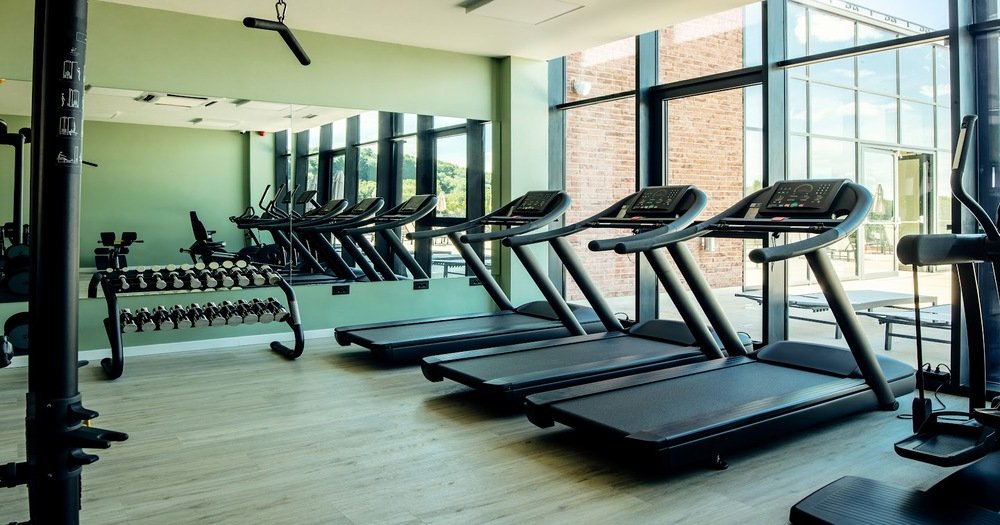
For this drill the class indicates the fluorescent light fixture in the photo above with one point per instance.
(169, 99)
(532, 12)
(262, 106)
(214, 123)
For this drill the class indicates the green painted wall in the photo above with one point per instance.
(139, 48)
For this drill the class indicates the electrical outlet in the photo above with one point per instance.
(936, 377)
(474, 281)
(341, 289)
(421, 284)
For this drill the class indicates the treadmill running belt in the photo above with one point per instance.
(411, 334)
(569, 360)
(689, 403)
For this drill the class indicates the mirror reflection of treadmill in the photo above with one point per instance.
(409, 340)
(696, 412)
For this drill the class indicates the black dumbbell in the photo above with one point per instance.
(245, 310)
(207, 277)
(269, 273)
(197, 316)
(192, 279)
(127, 321)
(179, 316)
(214, 315)
(162, 319)
(264, 314)
(228, 310)
(255, 276)
(123, 283)
(242, 280)
(280, 314)
(144, 320)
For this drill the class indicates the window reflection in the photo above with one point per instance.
(831, 159)
(916, 124)
(877, 72)
(878, 117)
(831, 111)
(916, 70)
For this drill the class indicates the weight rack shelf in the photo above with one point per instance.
(182, 279)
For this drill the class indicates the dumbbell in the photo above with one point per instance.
(123, 282)
(179, 316)
(207, 277)
(144, 320)
(246, 310)
(222, 276)
(192, 279)
(271, 276)
(228, 310)
(127, 321)
(255, 275)
(214, 315)
(280, 314)
(140, 281)
(241, 279)
(264, 314)
(197, 316)
(175, 280)
(162, 319)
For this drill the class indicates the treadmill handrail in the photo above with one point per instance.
(461, 227)
(678, 223)
(420, 213)
(553, 215)
(851, 222)
(697, 230)
(523, 240)
(348, 222)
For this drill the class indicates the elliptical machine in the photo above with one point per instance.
(967, 495)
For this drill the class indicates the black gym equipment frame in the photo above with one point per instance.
(113, 284)
(697, 412)
(55, 431)
(510, 373)
(410, 340)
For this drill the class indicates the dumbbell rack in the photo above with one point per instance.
(114, 283)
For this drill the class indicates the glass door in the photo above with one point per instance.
(879, 240)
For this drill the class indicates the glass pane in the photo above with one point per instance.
(878, 117)
(831, 111)
(337, 164)
(712, 44)
(879, 174)
(916, 124)
(313, 140)
(367, 172)
(944, 127)
(368, 130)
(724, 168)
(593, 161)
(834, 71)
(451, 176)
(753, 104)
(916, 73)
(443, 122)
(943, 198)
(488, 172)
(601, 70)
(797, 108)
(831, 159)
(877, 72)
(312, 171)
(409, 168)
(798, 154)
(831, 26)
(339, 134)
(409, 123)
(942, 77)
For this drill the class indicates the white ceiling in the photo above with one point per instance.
(532, 29)
(445, 25)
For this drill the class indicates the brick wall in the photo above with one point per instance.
(705, 144)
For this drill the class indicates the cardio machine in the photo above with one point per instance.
(515, 371)
(968, 495)
(697, 412)
(410, 340)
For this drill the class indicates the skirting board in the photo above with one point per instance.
(189, 346)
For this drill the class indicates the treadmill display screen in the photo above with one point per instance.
(657, 200)
(305, 197)
(331, 205)
(361, 207)
(413, 203)
(535, 203)
(804, 197)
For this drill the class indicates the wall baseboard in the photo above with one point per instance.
(95, 356)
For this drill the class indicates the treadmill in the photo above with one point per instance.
(969, 494)
(376, 268)
(512, 372)
(410, 340)
(696, 412)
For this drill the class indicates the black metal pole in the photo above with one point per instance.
(54, 422)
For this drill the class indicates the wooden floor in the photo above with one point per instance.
(239, 435)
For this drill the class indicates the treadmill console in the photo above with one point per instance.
(803, 197)
(362, 206)
(413, 204)
(330, 205)
(657, 201)
(305, 197)
(535, 203)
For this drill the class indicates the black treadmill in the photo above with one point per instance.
(409, 340)
(513, 372)
(376, 268)
(968, 495)
(696, 412)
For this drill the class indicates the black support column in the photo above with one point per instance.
(54, 430)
